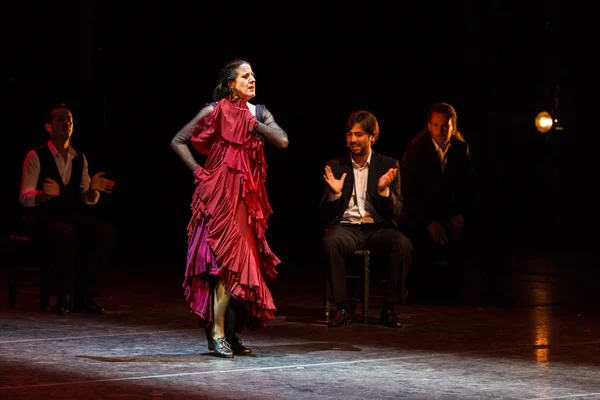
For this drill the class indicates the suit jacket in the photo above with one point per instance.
(430, 194)
(388, 208)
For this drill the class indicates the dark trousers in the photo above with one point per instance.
(387, 243)
(439, 269)
(81, 249)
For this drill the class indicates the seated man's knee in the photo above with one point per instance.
(404, 243)
(62, 228)
(330, 240)
(110, 233)
(103, 231)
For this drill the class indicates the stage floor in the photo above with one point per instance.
(147, 346)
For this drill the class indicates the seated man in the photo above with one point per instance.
(439, 197)
(361, 199)
(56, 189)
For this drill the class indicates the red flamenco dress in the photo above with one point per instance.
(226, 234)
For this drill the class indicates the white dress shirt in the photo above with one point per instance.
(360, 210)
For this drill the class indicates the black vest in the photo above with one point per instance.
(69, 201)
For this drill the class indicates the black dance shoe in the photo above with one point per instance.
(222, 348)
(238, 348)
(88, 306)
(64, 305)
(342, 318)
(389, 318)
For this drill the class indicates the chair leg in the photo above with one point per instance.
(366, 287)
(403, 288)
(326, 295)
(366, 283)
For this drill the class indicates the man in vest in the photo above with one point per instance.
(57, 192)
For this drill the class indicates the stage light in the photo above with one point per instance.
(544, 122)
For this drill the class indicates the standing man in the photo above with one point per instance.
(439, 199)
(56, 189)
(361, 201)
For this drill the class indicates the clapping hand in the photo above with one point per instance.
(102, 184)
(386, 179)
(335, 185)
(50, 187)
(457, 225)
(438, 232)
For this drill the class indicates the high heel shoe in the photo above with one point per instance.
(64, 305)
(222, 348)
(238, 348)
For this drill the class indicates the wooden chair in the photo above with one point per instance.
(29, 276)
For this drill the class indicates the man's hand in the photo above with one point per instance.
(457, 225)
(438, 232)
(386, 179)
(335, 185)
(51, 187)
(101, 184)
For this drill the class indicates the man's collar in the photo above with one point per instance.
(54, 150)
(367, 163)
(438, 147)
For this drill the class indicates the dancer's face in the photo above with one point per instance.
(244, 85)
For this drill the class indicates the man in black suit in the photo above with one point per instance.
(57, 191)
(439, 199)
(361, 201)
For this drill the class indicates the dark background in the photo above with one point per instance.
(136, 72)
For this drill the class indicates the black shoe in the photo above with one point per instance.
(342, 318)
(64, 305)
(389, 318)
(238, 348)
(88, 306)
(222, 348)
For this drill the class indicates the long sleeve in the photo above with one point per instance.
(467, 187)
(181, 141)
(330, 207)
(390, 206)
(271, 131)
(29, 180)
(85, 183)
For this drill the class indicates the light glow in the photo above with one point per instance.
(543, 122)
